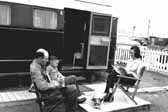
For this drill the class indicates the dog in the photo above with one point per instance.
(97, 101)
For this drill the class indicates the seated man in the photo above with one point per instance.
(49, 89)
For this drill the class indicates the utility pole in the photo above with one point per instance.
(133, 29)
(148, 27)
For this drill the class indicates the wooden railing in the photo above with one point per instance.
(155, 60)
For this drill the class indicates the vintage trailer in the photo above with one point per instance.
(81, 34)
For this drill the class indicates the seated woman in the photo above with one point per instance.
(131, 69)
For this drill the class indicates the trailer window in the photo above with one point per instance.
(45, 19)
(5, 15)
(101, 25)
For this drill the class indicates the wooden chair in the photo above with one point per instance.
(41, 101)
(78, 55)
(125, 82)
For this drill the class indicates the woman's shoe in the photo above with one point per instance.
(108, 97)
(81, 100)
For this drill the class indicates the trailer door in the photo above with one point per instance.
(99, 41)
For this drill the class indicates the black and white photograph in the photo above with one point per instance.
(83, 56)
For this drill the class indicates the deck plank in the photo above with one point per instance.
(11, 96)
(27, 95)
(21, 95)
(30, 95)
(18, 98)
(5, 97)
(14, 96)
(1, 98)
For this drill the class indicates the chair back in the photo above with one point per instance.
(38, 94)
(78, 55)
(142, 69)
(131, 81)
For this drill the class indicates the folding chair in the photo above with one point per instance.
(125, 82)
(78, 55)
(41, 101)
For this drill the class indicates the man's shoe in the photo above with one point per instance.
(106, 98)
(81, 100)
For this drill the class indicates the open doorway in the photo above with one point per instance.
(76, 33)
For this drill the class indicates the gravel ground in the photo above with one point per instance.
(159, 101)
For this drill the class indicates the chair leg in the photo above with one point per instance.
(128, 95)
(40, 106)
(133, 96)
(136, 88)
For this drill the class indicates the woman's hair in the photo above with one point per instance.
(137, 51)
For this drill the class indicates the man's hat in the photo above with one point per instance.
(45, 52)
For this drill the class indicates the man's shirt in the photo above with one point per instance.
(39, 76)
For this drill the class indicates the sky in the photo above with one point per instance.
(143, 15)
(140, 17)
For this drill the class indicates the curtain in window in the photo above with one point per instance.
(5, 15)
(45, 19)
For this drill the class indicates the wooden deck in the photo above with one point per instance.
(121, 103)
(16, 96)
